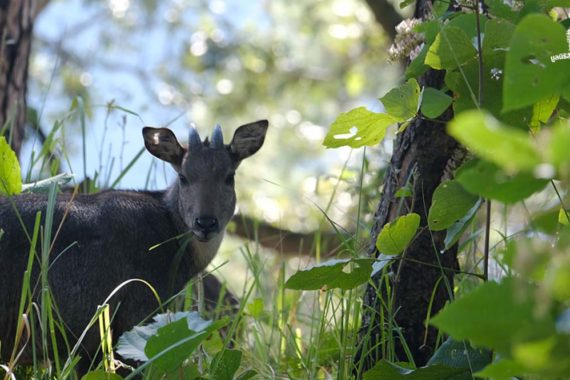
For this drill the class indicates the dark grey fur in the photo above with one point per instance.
(108, 235)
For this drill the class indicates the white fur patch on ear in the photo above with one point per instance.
(156, 138)
(162, 143)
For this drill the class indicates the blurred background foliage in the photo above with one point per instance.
(297, 63)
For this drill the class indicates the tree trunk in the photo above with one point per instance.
(421, 282)
(16, 24)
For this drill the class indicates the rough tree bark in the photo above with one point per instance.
(16, 25)
(423, 155)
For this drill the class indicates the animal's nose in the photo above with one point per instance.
(207, 224)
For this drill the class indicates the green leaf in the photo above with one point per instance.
(503, 369)
(384, 370)
(225, 364)
(451, 48)
(563, 217)
(498, 34)
(405, 3)
(512, 319)
(507, 147)
(357, 128)
(10, 177)
(246, 375)
(434, 102)
(461, 354)
(542, 110)
(402, 102)
(455, 231)
(396, 236)
(450, 203)
(255, 308)
(132, 344)
(489, 181)
(530, 72)
(174, 342)
(342, 274)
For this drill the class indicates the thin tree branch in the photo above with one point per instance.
(386, 15)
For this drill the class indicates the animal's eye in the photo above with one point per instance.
(230, 179)
(183, 180)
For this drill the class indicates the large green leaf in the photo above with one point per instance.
(10, 177)
(450, 203)
(342, 274)
(531, 74)
(357, 128)
(434, 102)
(495, 316)
(173, 344)
(384, 370)
(225, 364)
(402, 102)
(489, 181)
(396, 236)
(451, 48)
(507, 147)
(461, 354)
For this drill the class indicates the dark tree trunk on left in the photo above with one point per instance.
(16, 24)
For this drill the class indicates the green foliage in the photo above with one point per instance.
(384, 370)
(225, 364)
(449, 205)
(395, 236)
(402, 102)
(489, 181)
(357, 128)
(509, 148)
(342, 274)
(531, 75)
(361, 127)
(434, 102)
(451, 48)
(10, 178)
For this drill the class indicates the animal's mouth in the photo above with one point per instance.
(203, 236)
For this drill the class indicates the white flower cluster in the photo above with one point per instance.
(408, 43)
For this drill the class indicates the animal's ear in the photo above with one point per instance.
(162, 143)
(248, 139)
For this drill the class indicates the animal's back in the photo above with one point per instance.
(103, 241)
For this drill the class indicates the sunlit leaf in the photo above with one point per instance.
(10, 177)
(450, 203)
(451, 48)
(396, 236)
(402, 102)
(507, 147)
(357, 128)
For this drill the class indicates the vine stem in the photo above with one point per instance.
(480, 101)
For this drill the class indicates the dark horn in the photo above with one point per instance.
(217, 137)
(194, 138)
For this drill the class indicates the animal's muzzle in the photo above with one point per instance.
(206, 226)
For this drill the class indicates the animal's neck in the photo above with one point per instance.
(170, 199)
(204, 252)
